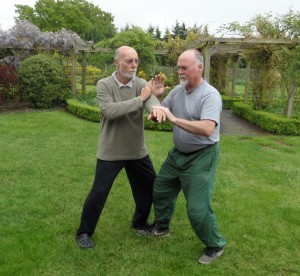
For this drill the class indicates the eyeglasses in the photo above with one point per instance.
(182, 68)
(130, 61)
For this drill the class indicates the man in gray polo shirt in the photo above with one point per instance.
(194, 108)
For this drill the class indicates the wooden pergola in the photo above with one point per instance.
(236, 46)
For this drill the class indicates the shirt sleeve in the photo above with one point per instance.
(110, 108)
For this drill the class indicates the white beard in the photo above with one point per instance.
(183, 81)
(128, 75)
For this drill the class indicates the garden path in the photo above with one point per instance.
(234, 125)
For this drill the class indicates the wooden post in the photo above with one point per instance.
(292, 83)
(247, 81)
(74, 61)
(292, 86)
(84, 64)
(207, 56)
(235, 63)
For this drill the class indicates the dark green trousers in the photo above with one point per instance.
(193, 173)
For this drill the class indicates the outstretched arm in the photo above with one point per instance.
(202, 127)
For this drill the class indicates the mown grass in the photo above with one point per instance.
(47, 167)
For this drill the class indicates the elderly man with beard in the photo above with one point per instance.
(122, 98)
(194, 108)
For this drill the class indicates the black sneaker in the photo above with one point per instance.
(144, 230)
(159, 233)
(84, 241)
(210, 254)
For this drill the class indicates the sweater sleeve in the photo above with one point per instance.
(111, 103)
(152, 101)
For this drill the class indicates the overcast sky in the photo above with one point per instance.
(164, 13)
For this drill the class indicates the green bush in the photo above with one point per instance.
(92, 113)
(44, 82)
(229, 101)
(85, 111)
(153, 125)
(268, 121)
(90, 80)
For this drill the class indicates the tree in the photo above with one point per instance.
(140, 40)
(79, 16)
(157, 34)
(179, 30)
(151, 29)
(154, 31)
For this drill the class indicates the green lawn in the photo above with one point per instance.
(47, 168)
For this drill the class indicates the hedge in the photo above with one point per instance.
(229, 101)
(92, 113)
(270, 122)
(85, 111)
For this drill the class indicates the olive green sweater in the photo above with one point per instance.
(122, 122)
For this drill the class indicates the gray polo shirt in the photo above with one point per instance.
(204, 102)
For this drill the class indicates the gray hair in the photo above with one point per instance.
(199, 57)
(117, 54)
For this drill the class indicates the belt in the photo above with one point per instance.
(195, 151)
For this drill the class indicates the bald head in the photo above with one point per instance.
(192, 56)
(123, 51)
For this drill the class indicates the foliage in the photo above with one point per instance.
(80, 16)
(93, 71)
(102, 60)
(140, 40)
(179, 30)
(180, 39)
(92, 113)
(270, 122)
(44, 82)
(273, 67)
(8, 77)
(172, 80)
(142, 75)
(195, 34)
(267, 77)
(25, 38)
(229, 101)
(153, 125)
(218, 73)
(284, 26)
(90, 70)
(88, 97)
(85, 111)
(26, 35)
